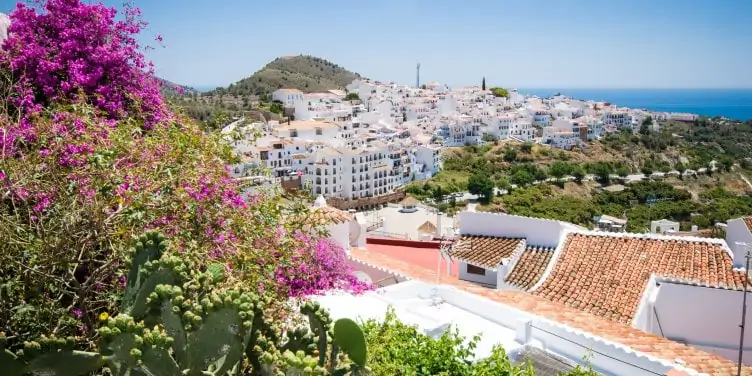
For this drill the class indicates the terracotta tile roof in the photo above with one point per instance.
(485, 251)
(332, 215)
(409, 201)
(530, 267)
(427, 227)
(638, 340)
(323, 216)
(748, 222)
(606, 275)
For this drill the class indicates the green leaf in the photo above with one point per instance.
(150, 247)
(10, 364)
(120, 360)
(174, 328)
(160, 277)
(349, 337)
(217, 337)
(157, 362)
(65, 363)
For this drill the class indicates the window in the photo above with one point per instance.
(319, 132)
(472, 269)
(294, 133)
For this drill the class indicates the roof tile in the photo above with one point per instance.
(606, 275)
(530, 267)
(748, 222)
(485, 251)
(644, 342)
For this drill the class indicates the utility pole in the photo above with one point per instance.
(744, 306)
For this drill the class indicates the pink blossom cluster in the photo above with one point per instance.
(317, 266)
(68, 57)
(62, 51)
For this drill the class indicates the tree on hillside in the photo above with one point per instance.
(510, 155)
(352, 97)
(578, 173)
(681, 168)
(647, 170)
(500, 92)
(559, 170)
(481, 184)
(522, 178)
(622, 171)
(602, 172)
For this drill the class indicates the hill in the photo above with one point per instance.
(306, 73)
(170, 88)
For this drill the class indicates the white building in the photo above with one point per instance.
(288, 97)
(308, 130)
(666, 285)
(429, 159)
(351, 173)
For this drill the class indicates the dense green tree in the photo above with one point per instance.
(500, 92)
(578, 173)
(647, 170)
(352, 97)
(559, 169)
(483, 84)
(510, 155)
(622, 171)
(481, 184)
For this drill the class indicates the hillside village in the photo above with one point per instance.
(633, 299)
(228, 277)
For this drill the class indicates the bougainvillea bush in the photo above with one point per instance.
(90, 155)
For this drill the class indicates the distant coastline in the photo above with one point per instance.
(731, 103)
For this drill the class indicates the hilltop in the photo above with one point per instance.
(303, 72)
(306, 73)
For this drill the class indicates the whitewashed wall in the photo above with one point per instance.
(377, 274)
(538, 232)
(706, 318)
(340, 234)
(737, 231)
(606, 357)
(488, 279)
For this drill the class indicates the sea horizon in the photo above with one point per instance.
(733, 103)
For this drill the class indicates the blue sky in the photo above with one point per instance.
(523, 44)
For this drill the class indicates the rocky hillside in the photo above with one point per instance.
(302, 72)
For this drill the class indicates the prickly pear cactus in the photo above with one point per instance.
(48, 356)
(176, 321)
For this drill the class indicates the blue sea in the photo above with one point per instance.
(730, 103)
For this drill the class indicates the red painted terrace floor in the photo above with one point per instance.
(418, 256)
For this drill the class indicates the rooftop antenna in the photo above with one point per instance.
(445, 250)
(744, 305)
(417, 76)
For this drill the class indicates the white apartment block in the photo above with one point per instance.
(522, 129)
(617, 118)
(351, 173)
(429, 159)
(288, 97)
